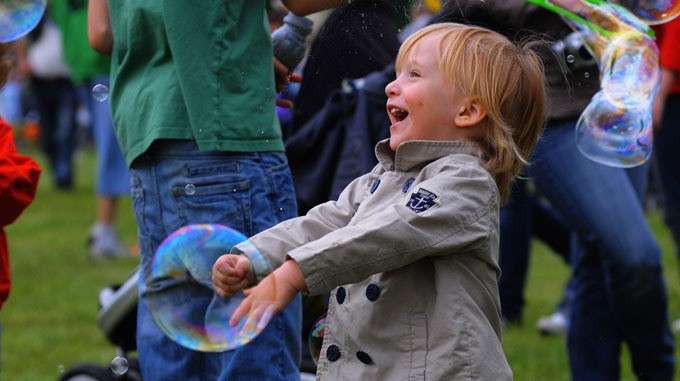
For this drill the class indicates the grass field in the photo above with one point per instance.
(49, 322)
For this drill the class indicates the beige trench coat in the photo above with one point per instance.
(410, 253)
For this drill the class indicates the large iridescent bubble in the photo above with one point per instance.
(18, 17)
(615, 128)
(180, 293)
(614, 135)
(652, 12)
(630, 70)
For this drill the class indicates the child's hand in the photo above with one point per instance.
(270, 296)
(231, 273)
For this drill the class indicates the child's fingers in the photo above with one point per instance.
(226, 290)
(228, 276)
(259, 316)
(228, 265)
(267, 316)
(240, 312)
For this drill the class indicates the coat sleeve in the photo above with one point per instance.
(463, 217)
(18, 178)
(268, 250)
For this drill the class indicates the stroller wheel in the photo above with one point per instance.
(94, 372)
(87, 372)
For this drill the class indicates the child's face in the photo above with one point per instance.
(422, 103)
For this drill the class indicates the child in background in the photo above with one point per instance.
(410, 250)
(18, 179)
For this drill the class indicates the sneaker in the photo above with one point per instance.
(675, 326)
(555, 324)
(104, 243)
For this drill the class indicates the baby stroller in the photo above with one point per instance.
(117, 318)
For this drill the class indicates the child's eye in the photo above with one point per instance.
(414, 73)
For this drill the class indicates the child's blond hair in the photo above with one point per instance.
(508, 81)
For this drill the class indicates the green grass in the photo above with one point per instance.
(49, 321)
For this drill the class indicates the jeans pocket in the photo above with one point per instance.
(209, 200)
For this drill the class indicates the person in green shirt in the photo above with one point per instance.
(193, 94)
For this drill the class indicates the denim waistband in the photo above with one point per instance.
(187, 147)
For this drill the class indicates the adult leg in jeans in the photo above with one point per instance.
(523, 217)
(246, 191)
(515, 238)
(668, 163)
(620, 294)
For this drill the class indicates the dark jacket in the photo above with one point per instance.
(337, 144)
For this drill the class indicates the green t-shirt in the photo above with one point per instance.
(193, 70)
(71, 18)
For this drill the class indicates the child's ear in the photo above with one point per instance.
(470, 113)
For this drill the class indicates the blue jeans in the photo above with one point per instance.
(619, 289)
(523, 217)
(248, 192)
(668, 162)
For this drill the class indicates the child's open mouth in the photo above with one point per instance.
(398, 113)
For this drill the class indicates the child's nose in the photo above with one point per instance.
(391, 88)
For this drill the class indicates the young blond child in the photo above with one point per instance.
(410, 250)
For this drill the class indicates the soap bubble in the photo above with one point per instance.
(119, 365)
(613, 135)
(615, 128)
(100, 92)
(180, 292)
(316, 338)
(630, 61)
(652, 12)
(19, 17)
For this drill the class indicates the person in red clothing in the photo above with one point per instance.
(18, 180)
(666, 120)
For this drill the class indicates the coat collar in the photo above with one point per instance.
(420, 152)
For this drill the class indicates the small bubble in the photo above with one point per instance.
(586, 74)
(190, 189)
(119, 365)
(100, 92)
(316, 338)
(570, 58)
(61, 368)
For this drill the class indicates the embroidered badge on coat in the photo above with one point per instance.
(422, 200)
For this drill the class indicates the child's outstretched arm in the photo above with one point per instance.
(272, 294)
(231, 273)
